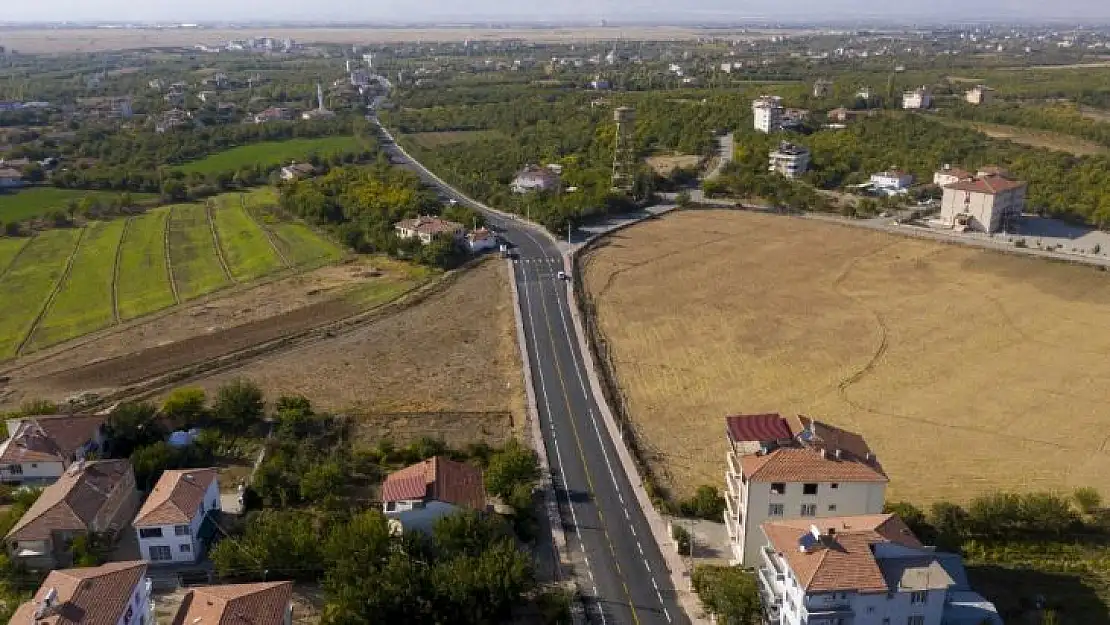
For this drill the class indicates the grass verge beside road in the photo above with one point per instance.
(84, 302)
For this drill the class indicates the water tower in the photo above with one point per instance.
(624, 150)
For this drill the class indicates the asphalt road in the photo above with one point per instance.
(620, 568)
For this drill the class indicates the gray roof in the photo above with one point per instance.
(912, 573)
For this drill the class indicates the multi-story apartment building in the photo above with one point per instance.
(862, 570)
(789, 160)
(786, 468)
(986, 203)
(768, 112)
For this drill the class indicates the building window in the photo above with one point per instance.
(390, 506)
(150, 532)
(418, 505)
(809, 509)
(870, 609)
(34, 465)
(832, 507)
(918, 597)
(160, 553)
(776, 509)
(917, 619)
(180, 530)
(778, 488)
(809, 489)
(16, 469)
(186, 548)
(834, 486)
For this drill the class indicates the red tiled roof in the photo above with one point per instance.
(49, 438)
(812, 456)
(840, 561)
(429, 225)
(758, 427)
(96, 595)
(73, 501)
(236, 604)
(176, 497)
(439, 479)
(987, 184)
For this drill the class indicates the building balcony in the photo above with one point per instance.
(733, 527)
(771, 560)
(843, 616)
(770, 588)
(733, 464)
(732, 507)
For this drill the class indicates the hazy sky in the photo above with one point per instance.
(631, 10)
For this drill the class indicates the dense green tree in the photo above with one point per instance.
(132, 425)
(729, 593)
(186, 407)
(512, 465)
(239, 405)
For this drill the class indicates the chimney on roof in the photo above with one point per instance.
(836, 452)
(48, 601)
(816, 531)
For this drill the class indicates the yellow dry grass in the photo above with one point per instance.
(664, 165)
(968, 371)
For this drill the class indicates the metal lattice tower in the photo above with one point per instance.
(624, 150)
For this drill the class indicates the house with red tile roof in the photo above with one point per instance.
(91, 497)
(419, 495)
(862, 568)
(427, 228)
(268, 603)
(40, 448)
(114, 593)
(176, 521)
(988, 202)
(794, 467)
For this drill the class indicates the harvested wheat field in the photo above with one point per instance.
(454, 352)
(967, 370)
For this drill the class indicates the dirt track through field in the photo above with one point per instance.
(968, 371)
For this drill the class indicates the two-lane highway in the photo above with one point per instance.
(618, 564)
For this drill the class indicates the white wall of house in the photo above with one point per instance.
(754, 500)
(891, 180)
(183, 541)
(31, 473)
(140, 610)
(417, 514)
(986, 210)
(796, 607)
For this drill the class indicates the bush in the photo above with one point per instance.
(1087, 499)
(238, 405)
(707, 503)
(512, 466)
(683, 541)
(729, 593)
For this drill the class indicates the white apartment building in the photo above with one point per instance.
(768, 112)
(919, 98)
(980, 94)
(789, 160)
(789, 468)
(174, 523)
(862, 570)
(984, 203)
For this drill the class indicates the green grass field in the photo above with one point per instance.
(143, 285)
(193, 257)
(248, 252)
(29, 282)
(269, 153)
(9, 248)
(84, 301)
(31, 267)
(38, 201)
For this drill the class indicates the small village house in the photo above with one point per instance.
(91, 497)
(177, 520)
(787, 468)
(10, 178)
(891, 181)
(980, 94)
(419, 495)
(533, 178)
(296, 171)
(117, 593)
(480, 240)
(40, 448)
(862, 569)
(917, 99)
(789, 160)
(266, 603)
(274, 114)
(427, 228)
(984, 203)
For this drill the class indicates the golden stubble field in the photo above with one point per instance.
(968, 371)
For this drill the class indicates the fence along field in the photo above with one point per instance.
(151, 247)
(969, 371)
